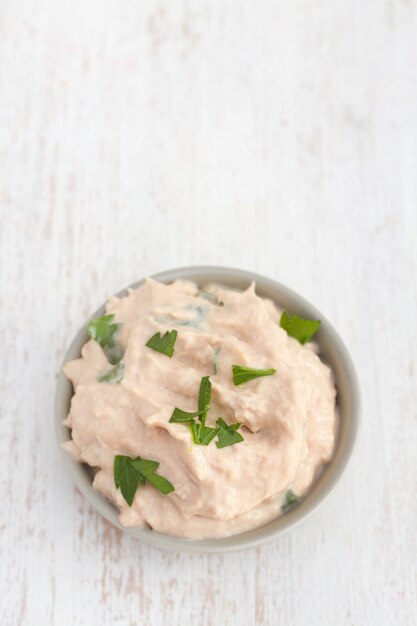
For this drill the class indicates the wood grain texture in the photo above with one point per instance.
(279, 137)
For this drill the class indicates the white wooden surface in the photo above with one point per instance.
(274, 136)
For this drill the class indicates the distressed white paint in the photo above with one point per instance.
(275, 136)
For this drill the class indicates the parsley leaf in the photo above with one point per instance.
(228, 434)
(182, 417)
(164, 344)
(204, 397)
(115, 375)
(128, 473)
(215, 358)
(243, 374)
(145, 467)
(103, 331)
(202, 434)
(299, 328)
(211, 297)
(126, 478)
(290, 499)
(162, 484)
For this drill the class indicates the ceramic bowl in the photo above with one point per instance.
(332, 351)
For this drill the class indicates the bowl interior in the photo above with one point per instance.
(332, 351)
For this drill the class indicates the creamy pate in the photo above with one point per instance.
(288, 419)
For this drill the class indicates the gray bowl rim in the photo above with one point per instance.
(333, 471)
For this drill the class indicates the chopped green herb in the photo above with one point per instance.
(202, 434)
(243, 374)
(290, 499)
(214, 359)
(182, 417)
(299, 328)
(204, 397)
(126, 478)
(162, 484)
(128, 473)
(145, 467)
(222, 424)
(211, 297)
(103, 331)
(228, 434)
(115, 375)
(164, 344)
